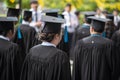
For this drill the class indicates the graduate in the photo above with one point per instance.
(45, 61)
(10, 56)
(28, 33)
(54, 12)
(82, 31)
(116, 38)
(94, 55)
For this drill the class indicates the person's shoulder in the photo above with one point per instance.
(13, 45)
(60, 53)
(28, 27)
(35, 47)
(117, 32)
(108, 40)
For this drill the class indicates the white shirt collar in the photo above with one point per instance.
(86, 24)
(25, 22)
(5, 38)
(48, 44)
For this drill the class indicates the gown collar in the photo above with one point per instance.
(5, 38)
(25, 22)
(48, 44)
(95, 35)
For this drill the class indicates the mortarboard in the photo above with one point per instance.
(52, 24)
(12, 12)
(51, 12)
(110, 16)
(88, 14)
(7, 23)
(61, 16)
(27, 14)
(98, 23)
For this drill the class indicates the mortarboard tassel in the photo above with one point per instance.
(104, 34)
(19, 32)
(65, 35)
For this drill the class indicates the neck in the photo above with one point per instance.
(95, 33)
(53, 42)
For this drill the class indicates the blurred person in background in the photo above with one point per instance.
(105, 13)
(71, 23)
(116, 18)
(99, 13)
(36, 16)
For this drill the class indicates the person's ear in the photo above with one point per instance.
(10, 34)
(56, 36)
(91, 29)
(30, 19)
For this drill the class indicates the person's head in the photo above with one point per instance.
(34, 5)
(77, 13)
(7, 29)
(27, 16)
(86, 19)
(98, 11)
(7, 26)
(51, 33)
(68, 7)
(115, 12)
(97, 27)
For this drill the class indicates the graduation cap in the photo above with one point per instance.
(98, 23)
(51, 12)
(52, 24)
(12, 12)
(7, 23)
(110, 16)
(61, 16)
(88, 14)
(27, 14)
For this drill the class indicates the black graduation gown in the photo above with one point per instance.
(94, 59)
(10, 61)
(116, 39)
(46, 63)
(109, 30)
(28, 38)
(80, 33)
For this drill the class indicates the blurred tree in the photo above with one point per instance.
(11, 3)
(25, 4)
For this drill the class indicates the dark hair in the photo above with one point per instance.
(47, 36)
(68, 5)
(116, 11)
(26, 18)
(34, 2)
(105, 12)
(88, 20)
(99, 30)
(77, 13)
(5, 32)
